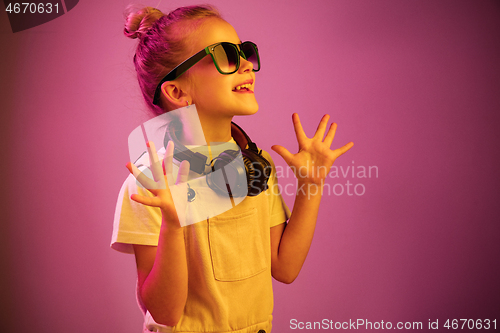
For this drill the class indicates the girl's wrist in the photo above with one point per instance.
(172, 228)
(311, 182)
(310, 189)
(170, 221)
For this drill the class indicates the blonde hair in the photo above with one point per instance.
(162, 42)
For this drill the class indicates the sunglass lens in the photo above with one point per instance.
(251, 54)
(226, 57)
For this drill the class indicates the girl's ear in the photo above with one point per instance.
(173, 96)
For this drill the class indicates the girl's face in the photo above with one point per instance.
(214, 94)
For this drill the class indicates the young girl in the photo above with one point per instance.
(213, 275)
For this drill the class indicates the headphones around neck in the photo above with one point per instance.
(244, 174)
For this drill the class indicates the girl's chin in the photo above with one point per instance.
(247, 111)
(235, 109)
(244, 108)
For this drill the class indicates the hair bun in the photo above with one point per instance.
(139, 21)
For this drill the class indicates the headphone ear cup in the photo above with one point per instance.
(258, 172)
(228, 176)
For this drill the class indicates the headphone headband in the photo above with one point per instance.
(242, 139)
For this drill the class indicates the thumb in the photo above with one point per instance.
(342, 150)
(283, 152)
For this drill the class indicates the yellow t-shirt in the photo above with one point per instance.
(228, 257)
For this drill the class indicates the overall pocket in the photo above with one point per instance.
(236, 246)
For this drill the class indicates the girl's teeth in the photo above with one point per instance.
(243, 86)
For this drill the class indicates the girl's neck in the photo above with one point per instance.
(216, 129)
(201, 129)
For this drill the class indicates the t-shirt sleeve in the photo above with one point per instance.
(278, 209)
(134, 223)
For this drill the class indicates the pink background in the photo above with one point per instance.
(415, 85)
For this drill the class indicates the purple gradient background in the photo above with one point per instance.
(415, 85)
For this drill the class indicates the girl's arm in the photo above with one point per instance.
(162, 270)
(162, 276)
(290, 242)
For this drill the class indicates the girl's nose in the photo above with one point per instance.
(245, 65)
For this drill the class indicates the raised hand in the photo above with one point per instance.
(170, 197)
(314, 159)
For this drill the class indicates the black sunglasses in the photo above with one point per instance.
(226, 57)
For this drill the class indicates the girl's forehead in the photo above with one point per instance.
(214, 30)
